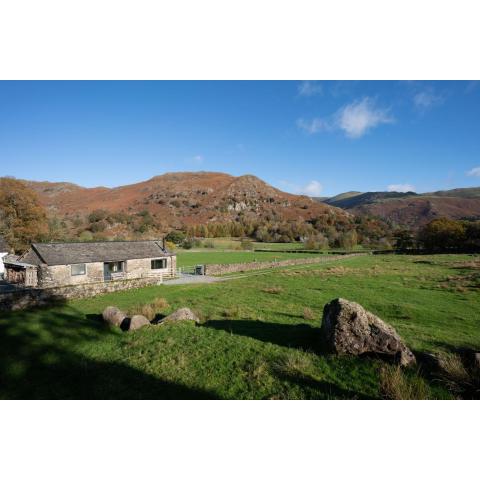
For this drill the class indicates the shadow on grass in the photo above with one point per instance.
(40, 359)
(330, 390)
(300, 335)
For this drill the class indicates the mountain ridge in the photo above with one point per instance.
(410, 209)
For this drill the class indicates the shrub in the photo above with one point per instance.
(209, 244)
(170, 246)
(86, 236)
(246, 245)
(187, 244)
(176, 237)
(99, 226)
(97, 216)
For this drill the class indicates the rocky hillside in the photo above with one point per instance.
(181, 199)
(410, 209)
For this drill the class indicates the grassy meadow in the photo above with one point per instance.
(259, 337)
(187, 258)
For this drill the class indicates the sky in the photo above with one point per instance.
(319, 138)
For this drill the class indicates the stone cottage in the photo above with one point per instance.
(70, 264)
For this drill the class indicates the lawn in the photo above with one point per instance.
(185, 258)
(232, 243)
(255, 341)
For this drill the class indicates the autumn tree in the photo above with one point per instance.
(22, 219)
(442, 234)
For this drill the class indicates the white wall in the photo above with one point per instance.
(2, 268)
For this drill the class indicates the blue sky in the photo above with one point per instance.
(320, 138)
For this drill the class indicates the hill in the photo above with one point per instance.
(354, 199)
(410, 209)
(180, 200)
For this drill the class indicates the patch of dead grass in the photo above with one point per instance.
(308, 314)
(149, 310)
(460, 379)
(294, 363)
(273, 290)
(461, 283)
(395, 385)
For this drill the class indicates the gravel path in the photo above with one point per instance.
(186, 278)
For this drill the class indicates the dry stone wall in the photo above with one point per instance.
(33, 297)
(222, 269)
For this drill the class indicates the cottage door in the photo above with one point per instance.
(107, 272)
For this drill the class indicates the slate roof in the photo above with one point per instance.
(87, 252)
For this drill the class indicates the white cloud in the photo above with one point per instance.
(312, 188)
(401, 187)
(474, 172)
(309, 89)
(354, 119)
(359, 117)
(427, 99)
(315, 125)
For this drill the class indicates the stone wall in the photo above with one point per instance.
(34, 297)
(221, 269)
(61, 275)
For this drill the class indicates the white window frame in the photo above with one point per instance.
(78, 274)
(156, 260)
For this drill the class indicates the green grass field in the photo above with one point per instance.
(185, 258)
(232, 243)
(255, 341)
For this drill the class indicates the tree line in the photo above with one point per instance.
(442, 235)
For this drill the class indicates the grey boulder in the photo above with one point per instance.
(138, 321)
(347, 328)
(113, 316)
(181, 314)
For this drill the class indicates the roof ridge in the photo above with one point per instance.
(89, 243)
(38, 253)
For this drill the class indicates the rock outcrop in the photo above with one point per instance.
(181, 314)
(348, 328)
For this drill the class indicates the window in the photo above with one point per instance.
(116, 267)
(159, 263)
(79, 269)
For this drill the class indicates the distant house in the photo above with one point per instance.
(4, 250)
(47, 265)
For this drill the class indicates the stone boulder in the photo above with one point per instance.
(113, 316)
(347, 328)
(181, 314)
(138, 321)
(476, 360)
